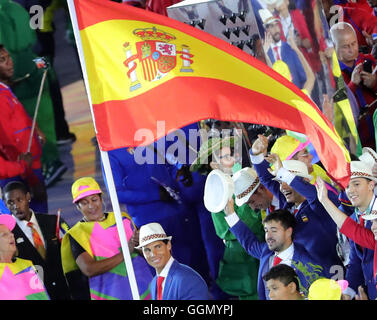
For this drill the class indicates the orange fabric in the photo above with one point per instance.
(38, 243)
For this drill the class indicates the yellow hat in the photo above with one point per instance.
(325, 289)
(286, 147)
(84, 187)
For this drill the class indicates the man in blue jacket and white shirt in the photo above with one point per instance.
(278, 248)
(360, 191)
(173, 280)
(277, 49)
(314, 230)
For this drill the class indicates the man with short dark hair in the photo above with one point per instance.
(282, 283)
(290, 185)
(360, 191)
(37, 237)
(173, 280)
(278, 248)
(277, 49)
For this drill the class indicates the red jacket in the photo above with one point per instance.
(362, 236)
(361, 20)
(368, 94)
(9, 169)
(159, 6)
(15, 129)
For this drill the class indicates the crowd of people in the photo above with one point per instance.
(288, 231)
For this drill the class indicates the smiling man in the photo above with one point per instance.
(279, 247)
(173, 280)
(361, 227)
(290, 184)
(360, 193)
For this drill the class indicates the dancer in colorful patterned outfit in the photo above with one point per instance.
(93, 246)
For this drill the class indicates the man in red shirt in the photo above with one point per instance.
(358, 71)
(15, 129)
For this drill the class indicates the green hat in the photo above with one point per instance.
(208, 147)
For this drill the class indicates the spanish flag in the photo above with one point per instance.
(142, 67)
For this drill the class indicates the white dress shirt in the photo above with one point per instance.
(165, 271)
(27, 230)
(286, 256)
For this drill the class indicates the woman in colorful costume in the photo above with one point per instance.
(18, 277)
(93, 246)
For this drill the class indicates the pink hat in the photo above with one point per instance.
(8, 220)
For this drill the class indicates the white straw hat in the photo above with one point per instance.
(267, 16)
(298, 168)
(360, 169)
(246, 181)
(151, 232)
(368, 156)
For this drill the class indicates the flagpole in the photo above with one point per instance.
(106, 164)
(119, 222)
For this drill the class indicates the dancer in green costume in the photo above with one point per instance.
(238, 271)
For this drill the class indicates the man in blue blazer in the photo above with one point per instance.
(360, 191)
(148, 191)
(314, 230)
(277, 49)
(278, 248)
(173, 280)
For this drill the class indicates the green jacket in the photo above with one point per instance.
(238, 270)
(18, 38)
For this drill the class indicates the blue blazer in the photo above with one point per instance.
(290, 57)
(306, 267)
(360, 267)
(315, 230)
(182, 283)
(140, 193)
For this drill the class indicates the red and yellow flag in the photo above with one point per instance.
(143, 67)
